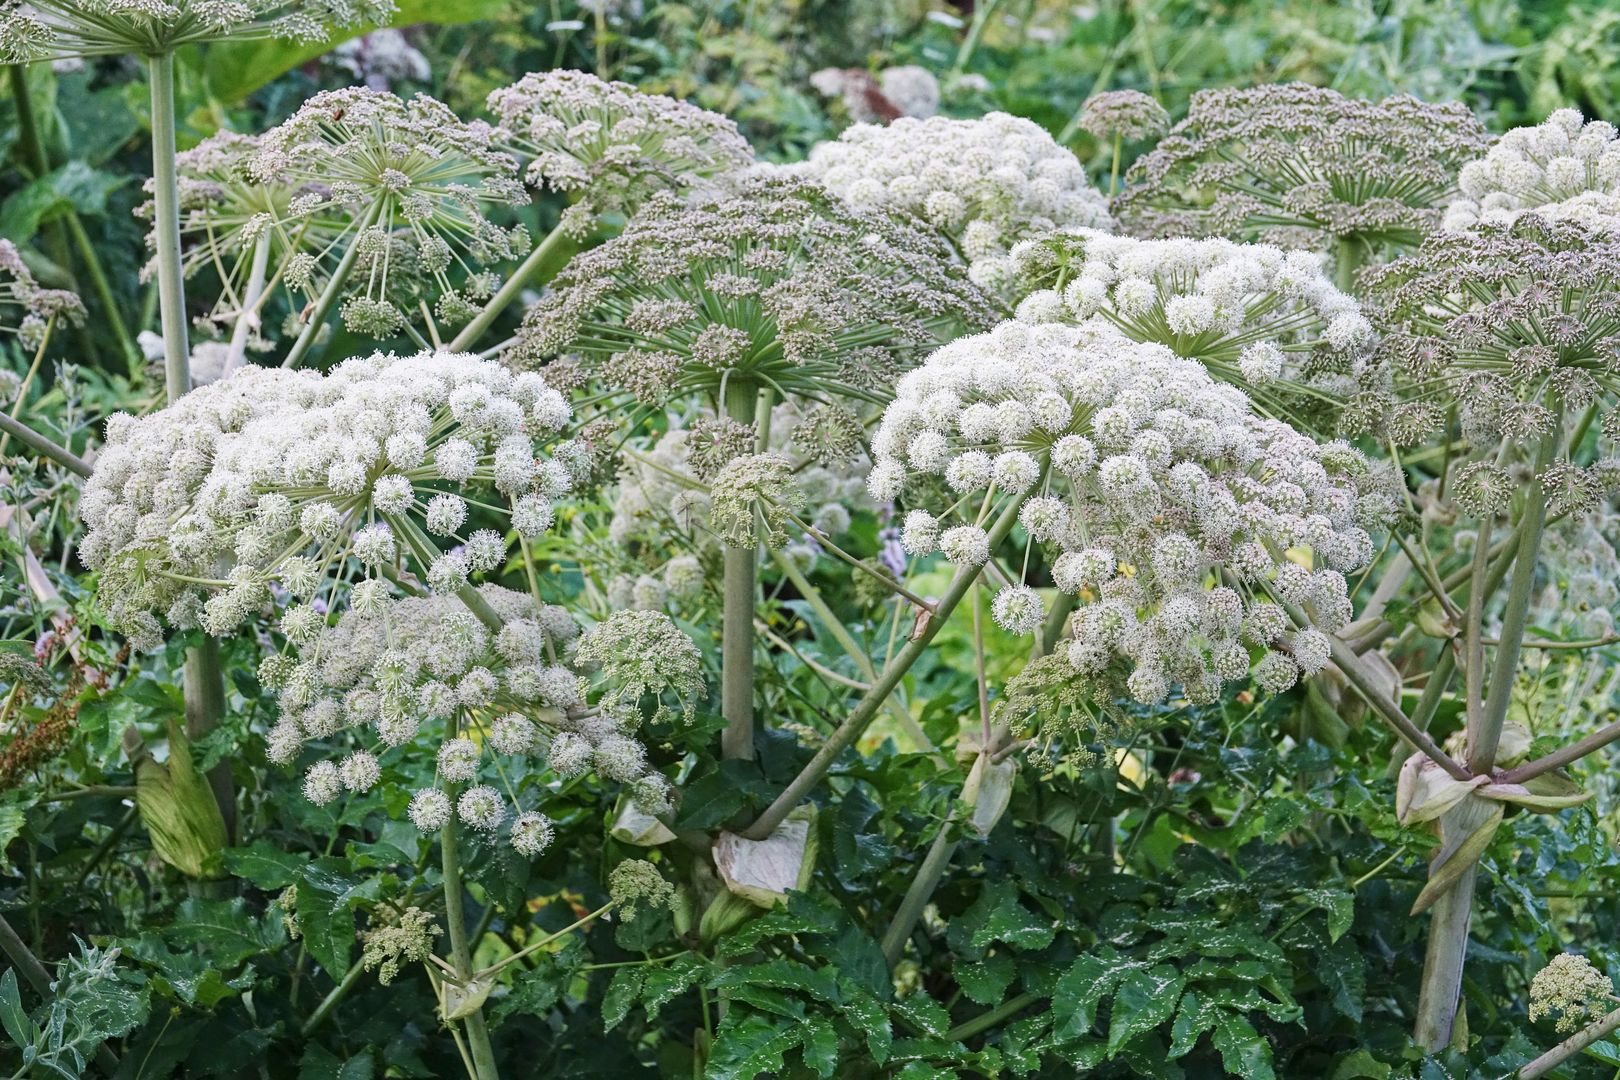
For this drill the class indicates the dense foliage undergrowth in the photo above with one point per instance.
(808, 539)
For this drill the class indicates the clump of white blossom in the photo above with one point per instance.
(609, 145)
(57, 29)
(495, 707)
(1182, 520)
(1564, 169)
(1254, 315)
(770, 281)
(985, 184)
(1302, 164)
(1513, 325)
(307, 481)
(409, 189)
(26, 309)
(1572, 991)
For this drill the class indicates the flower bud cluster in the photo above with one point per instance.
(1572, 990)
(1180, 518)
(985, 183)
(303, 479)
(25, 308)
(769, 278)
(1302, 163)
(1564, 169)
(608, 144)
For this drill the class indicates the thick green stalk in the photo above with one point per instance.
(461, 951)
(330, 1002)
(738, 582)
(921, 890)
(166, 229)
(1347, 255)
(1443, 964)
(204, 687)
(59, 454)
(334, 285)
(520, 280)
(249, 313)
(865, 709)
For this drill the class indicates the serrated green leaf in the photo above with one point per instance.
(265, 865)
(1082, 988)
(1144, 1000)
(998, 915)
(1243, 1051)
(621, 995)
(864, 1013)
(750, 1047)
(924, 1012)
(781, 975)
(1340, 906)
(666, 982)
(986, 983)
(820, 1046)
(225, 931)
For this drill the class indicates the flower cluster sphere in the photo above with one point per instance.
(1564, 169)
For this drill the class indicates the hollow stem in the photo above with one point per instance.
(483, 1054)
(59, 454)
(166, 228)
(739, 577)
(520, 279)
(1347, 258)
(330, 1002)
(249, 315)
(929, 872)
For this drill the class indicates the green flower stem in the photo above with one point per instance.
(1571, 1046)
(166, 228)
(739, 587)
(328, 298)
(1350, 664)
(1473, 633)
(1347, 256)
(855, 564)
(204, 687)
(526, 274)
(1483, 743)
(483, 1054)
(28, 379)
(1564, 755)
(1056, 620)
(840, 633)
(250, 304)
(1113, 172)
(496, 967)
(982, 14)
(980, 1024)
(867, 707)
(921, 890)
(330, 1002)
(1436, 1025)
(59, 454)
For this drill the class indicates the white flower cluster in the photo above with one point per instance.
(428, 668)
(986, 183)
(298, 478)
(53, 29)
(1252, 314)
(1564, 169)
(1180, 518)
(609, 142)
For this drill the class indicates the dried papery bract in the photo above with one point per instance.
(399, 196)
(1179, 518)
(608, 145)
(1564, 170)
(770, 283)
(312, 481)
(1515, 326)
(1304, 163)
(57, 29)
(984, 184)
(1254, 315)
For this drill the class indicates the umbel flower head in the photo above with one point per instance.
(608, 144)
(1254, 315)
(1302, 163)
(405, 185)
(1570, 989)
(1563, 169)
(309, 480)
(1128, 114)
(1517, 325)
(500, 711)
(771, 282)
(59, 29)
(1180, 519)
(25, 308)
(985, 184)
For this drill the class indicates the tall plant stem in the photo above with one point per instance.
(982, 13)
(738, 582)
(1113, 172)
(204, 687)
(166, 229)
(483, 1054)
(921, 890)
(39, 161)
(1473, 634)
(59, 454)
(1347, 256)
(329, 1003)
(1436, 1025)
(249, 315)
(521, 279)
(865, 709)
(328, 298)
